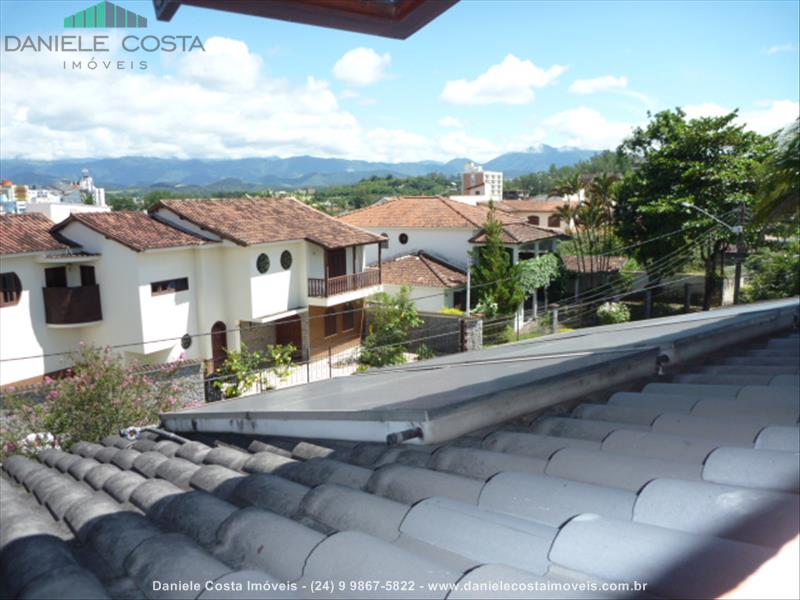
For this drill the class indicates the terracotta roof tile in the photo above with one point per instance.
(422, 269)
(136, 230)
(247, 221)
(614, 264)
(27, 233)
(515, 206)
(423, 211)
(519, 233)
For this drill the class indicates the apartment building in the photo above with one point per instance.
(190, 279)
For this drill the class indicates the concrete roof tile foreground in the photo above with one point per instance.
(687, 484)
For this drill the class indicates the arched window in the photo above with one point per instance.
(533, 220)
(554, 221)
(10, 289)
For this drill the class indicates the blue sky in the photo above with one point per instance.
(484, 78)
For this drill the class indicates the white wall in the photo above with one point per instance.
(448, 243)
(23, 331)
(58, 211)
(428, 299)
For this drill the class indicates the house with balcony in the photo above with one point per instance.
(427, 242)
(542, 211)
(190, 279)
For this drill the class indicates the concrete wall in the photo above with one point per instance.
(450, 244)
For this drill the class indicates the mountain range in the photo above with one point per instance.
(258, 173)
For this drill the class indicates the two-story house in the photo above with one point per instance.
(191, 278)
(429, 238)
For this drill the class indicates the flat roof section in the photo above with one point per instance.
(443, 398)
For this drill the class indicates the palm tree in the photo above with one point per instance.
(780, 188)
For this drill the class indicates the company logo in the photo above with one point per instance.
(104, 14)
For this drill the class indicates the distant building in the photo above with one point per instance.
(86, 184)
(477, 182)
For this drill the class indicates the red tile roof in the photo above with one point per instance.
(525, 206)
(519, 233)
(136, 230)
(423, 211)
(422, 269)
(247, 221)
(20, 234)
(611, 264)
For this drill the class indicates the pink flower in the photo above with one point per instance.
(53, 394)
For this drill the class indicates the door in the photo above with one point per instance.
(87, 275)
(289, 331)
(337, 262)
(219, 344)
(55, 277)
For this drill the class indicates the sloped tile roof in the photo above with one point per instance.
(422, 269)
(519, 233)
(687, 485)
(542, 205)
(27, 233)
(247, 221)
(613, 264)
(136, 230)
(423, 211)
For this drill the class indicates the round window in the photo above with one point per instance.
(286, 259)
(262, 263)
(403, 238)
(186, 341)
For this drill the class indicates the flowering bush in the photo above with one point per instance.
(95, 398)
(613, 312)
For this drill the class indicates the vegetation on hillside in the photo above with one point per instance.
(338, 199)
(545, 182)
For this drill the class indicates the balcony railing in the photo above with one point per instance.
(324, 288)
(72, 305)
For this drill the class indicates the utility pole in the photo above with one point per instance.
(469, 282)
(737, 284)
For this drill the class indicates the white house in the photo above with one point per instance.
(446, 230)
(191, 279)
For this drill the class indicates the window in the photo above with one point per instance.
(403, 238)
(533, 220)
(348, 317)
(330, 322)
(262, 263)
(385, 242)
(10, 289)
(169, 286)
(554, 221)
(186, 341)
(286, 259)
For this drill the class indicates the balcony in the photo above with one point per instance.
(335, 286)
(72, 306)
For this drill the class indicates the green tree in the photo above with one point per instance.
(241, 370)
(773, 272)
(98, 396)
(710, 163)
(779, 194)
(494, 275)
(391, 318)
(124, 203)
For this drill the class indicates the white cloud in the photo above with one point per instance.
(778, 48)
(584, 127)
(362, 66)
(598, 84)
(225, 62)
(510, 82)
(449, 121)
(459, 143)
(767, 117)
